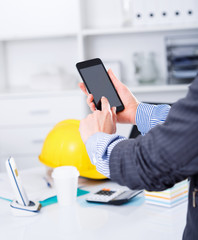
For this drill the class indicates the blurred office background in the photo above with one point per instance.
(152, 46)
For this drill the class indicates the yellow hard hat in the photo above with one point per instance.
(64, 146)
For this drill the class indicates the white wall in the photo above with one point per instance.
(21, 18)
(2, 66)
(29, 59)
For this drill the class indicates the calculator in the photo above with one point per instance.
(112, 196)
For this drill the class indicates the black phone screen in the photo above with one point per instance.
(99, 84)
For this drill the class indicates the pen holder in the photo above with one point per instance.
(20, 210)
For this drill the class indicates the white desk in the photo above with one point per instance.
(135, 220)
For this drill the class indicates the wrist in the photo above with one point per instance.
(134, 111)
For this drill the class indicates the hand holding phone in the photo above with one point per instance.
(98, 83)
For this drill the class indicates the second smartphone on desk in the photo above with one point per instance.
(98, 83)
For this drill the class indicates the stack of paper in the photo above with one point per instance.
(170, 197)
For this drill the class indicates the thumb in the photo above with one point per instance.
(113, 109)
(105, 104)
(114, 116)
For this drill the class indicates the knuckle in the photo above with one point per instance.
(104, 100)
(106, 111)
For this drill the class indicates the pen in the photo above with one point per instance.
(47, 182)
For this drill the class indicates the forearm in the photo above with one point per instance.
(165, 155)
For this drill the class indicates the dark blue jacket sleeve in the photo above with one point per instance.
(167, 154)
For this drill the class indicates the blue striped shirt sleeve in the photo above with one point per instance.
(148, 116)
(100, 145)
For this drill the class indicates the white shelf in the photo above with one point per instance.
(135, 89)
(159, 88)
(37, 37)
(160, 94)
(32, 93)
(140, 29)
(71, 43)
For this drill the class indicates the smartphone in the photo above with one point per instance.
(98, 83)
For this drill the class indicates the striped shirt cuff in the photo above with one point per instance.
(159, 114)
(148, 116)
(99, 147)
(143, 116)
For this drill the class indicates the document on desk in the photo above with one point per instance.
(33, 182)
(35, 185)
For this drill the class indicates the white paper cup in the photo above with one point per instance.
(66, 182)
